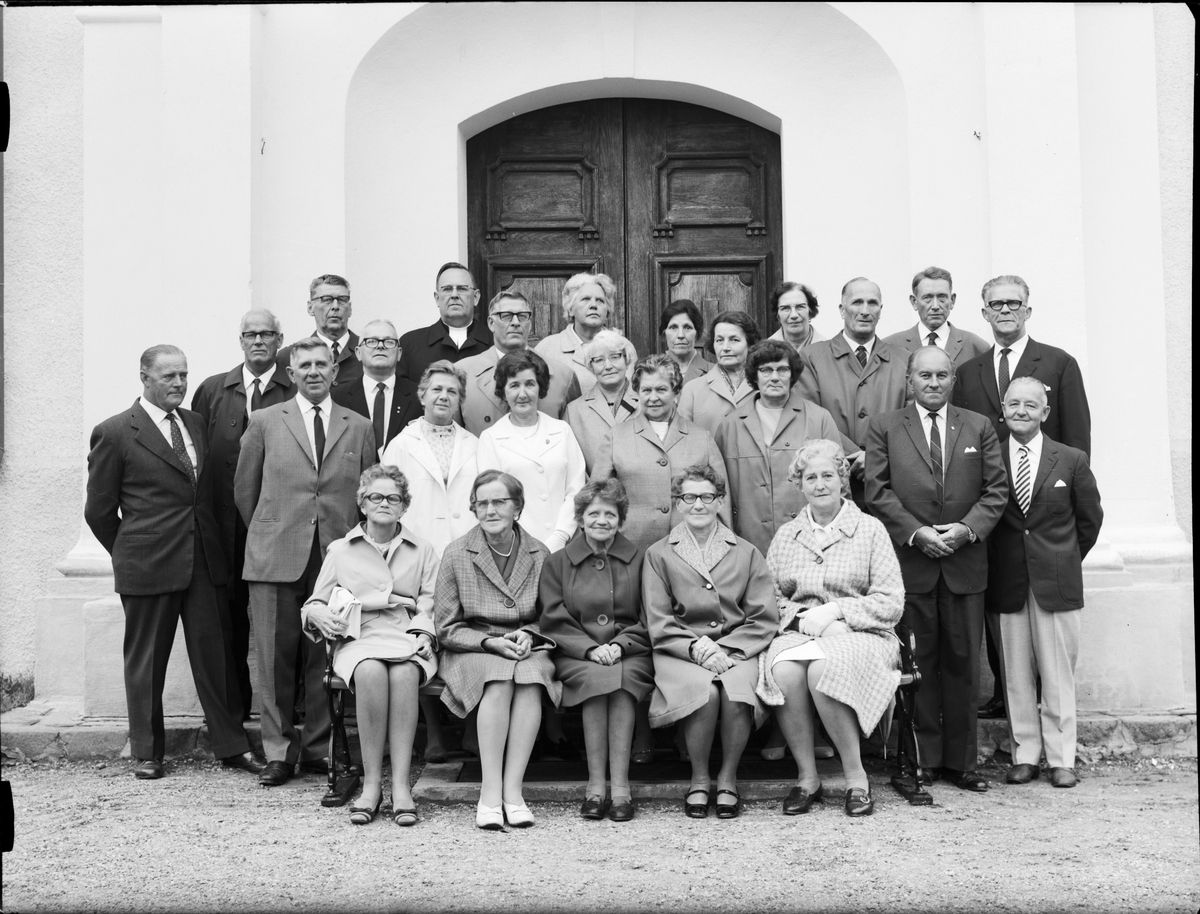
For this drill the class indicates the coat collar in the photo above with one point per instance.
(676, 430)
(578, 550)
(843, 526)
(794, 410)
(146, 432)
(527, 547)
(684, 545)
(715, 379)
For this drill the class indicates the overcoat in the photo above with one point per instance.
(591, 419)
(566, 346)
(706, 401)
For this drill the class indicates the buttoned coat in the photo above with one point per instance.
(473, 602)
(902, 493)
(591, 419)
(441, 507)
(480, 408)
(1070, 419)
(707, 400)
(645, 464)
(762, 498)
(582, 606)
(282, 496)
(422, 347)
(349, 367)
(833, 379)
(406, 405)
(1044, 550)
(961, 345)
(567, 347)
(550, 466)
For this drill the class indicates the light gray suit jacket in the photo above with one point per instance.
(481, 409)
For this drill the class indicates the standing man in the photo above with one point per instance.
(297, 477)
(855, 375)
(149, 503)
(388, 401)
(933, 300)
(935, 477)
(330, 306)
(1035, 583)
(455, 334)
(510, 319)
(225, 402)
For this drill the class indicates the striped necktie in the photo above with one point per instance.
(1022, 484)
(935, 453)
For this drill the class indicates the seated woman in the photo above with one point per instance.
(710, 610)
(591, 605)
(495, 657)
(391, 573)
(840, 593)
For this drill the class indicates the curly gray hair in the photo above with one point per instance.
(821, 447)
(384, 471)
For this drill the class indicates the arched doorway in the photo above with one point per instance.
(672, 200)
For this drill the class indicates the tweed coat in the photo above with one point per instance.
(707, 400)
(396, 592)
(583, 606)
(440, 507)
(732, 602)
(591, 419)
(550, 466)
(567, 347)
(762, 498)
(472, 603)
(856, 567)
(634, 454)
(480, 408)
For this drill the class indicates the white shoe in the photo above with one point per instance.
(489, 817)
(518, 815)
(772, 753)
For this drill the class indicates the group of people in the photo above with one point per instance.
(664, 540)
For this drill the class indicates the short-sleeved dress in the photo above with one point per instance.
(588, 599)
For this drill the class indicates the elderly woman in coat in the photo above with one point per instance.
(591, 605)
(611, 401)
(588, 300)
(494, 654)
(707, 400)
(374, 599)
(711, 611)
(839, 590)
(680, 325)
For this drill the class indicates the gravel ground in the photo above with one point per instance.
(91, 837)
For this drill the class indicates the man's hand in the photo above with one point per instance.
(955, 535)
(857, 462)
(928, 541)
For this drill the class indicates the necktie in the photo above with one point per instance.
(336, 349)
(180, 449)
(1005, 377)
(935, 452)
(377, 416)
(861, 354)
(1022, 484)
(318, 435)
(932, 337)
(256, 397)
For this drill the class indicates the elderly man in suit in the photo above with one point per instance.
(455, 335)
(933, 300)
(1035, 583)
(387, 400)
(510, 319)
(330, 306)
(297, 477)
(855, 375)
(935, 477)
(149, 503)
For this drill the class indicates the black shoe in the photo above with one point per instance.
(247, 761)
(992, 710)
(729, 810)
(965, 780)
(859, 802)
(621, 811)
(696, 810)
(1021, 774)
(148, 769)
(800, 800)
(593, 808)
(929, 775)
(1063, 777)
(276, 774)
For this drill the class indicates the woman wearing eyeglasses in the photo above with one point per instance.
(495, 657)
(391, 572)
(710, 607)
(587, 304)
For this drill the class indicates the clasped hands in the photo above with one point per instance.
(709, 655)
(940, 540)
(512, 645)
(606, 654)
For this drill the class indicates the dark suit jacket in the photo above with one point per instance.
(1045, 550)
(425, 345)
(220, 401)
(1070, 420)
(142, 507)
(901, 492)
(405, 405)
(349, 367)
(961, 345)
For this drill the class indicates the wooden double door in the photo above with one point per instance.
(671, 200)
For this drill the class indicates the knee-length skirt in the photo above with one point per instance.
(583, 679)
(681, 688)
(382, 636)
(465, 675)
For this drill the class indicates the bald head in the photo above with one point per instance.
(860, 307)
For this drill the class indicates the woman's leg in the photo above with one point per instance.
(595, 742)
(431, 711)
(371, 695)
(796, 719)
(404, 679)
(495, 708)
(524, 721)
(737, 720)
(621, 714)
(842, 724)
(699, 728)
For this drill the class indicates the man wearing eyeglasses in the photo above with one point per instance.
(390, 402)
(510, 319)
(455, 334)
(225, 402)
(330, 306)
(933, 300)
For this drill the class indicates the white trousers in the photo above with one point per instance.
(1037, 642)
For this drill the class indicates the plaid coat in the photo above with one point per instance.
(472, 603)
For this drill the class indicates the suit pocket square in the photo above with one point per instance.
(970, 450)
(1058, 483)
